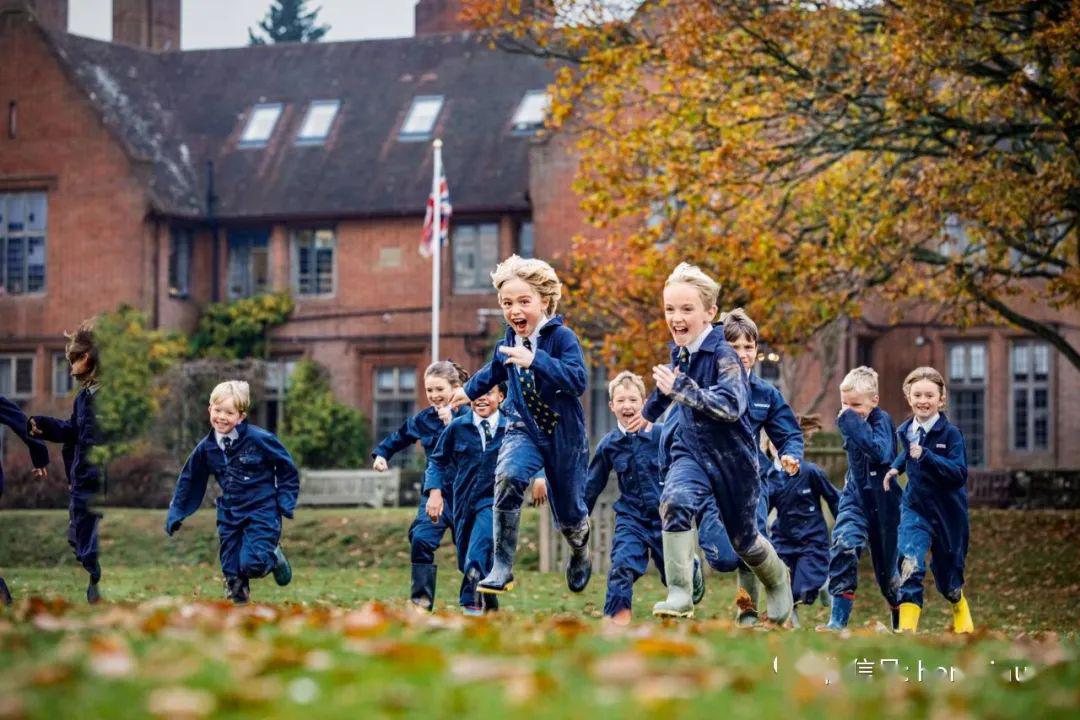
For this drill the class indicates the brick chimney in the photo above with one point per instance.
(439, 16)
(149, 24)
(52, 14)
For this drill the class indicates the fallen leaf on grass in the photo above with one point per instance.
(180, 703)
(666, 647)
(110, 657)
(620, 668)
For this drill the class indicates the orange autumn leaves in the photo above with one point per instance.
(812, 156)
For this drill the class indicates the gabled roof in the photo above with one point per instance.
(180, 109)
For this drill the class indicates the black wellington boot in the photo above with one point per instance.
(501, 577)
(422, 593)
(579, 564)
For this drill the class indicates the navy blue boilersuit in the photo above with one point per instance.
(463, 466)
(714, 452)
(259, 484)
(79, 435)
(868, 515)
(425, 536)
(712, 537)
(635, 458)
(560, 448)
(799, 533)
(769, 411)
(934, 512)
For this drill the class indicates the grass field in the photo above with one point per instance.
(339, 642)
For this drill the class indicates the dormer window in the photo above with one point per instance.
(318, 121)
(260, 125)
(530, 113)
(420, 122)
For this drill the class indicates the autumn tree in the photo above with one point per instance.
(815, 155)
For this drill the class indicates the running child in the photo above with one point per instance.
(799, 533)
(635, 457)
(79, 436)
(714, 452)
(462, 465)
(541, 361)
(259, 485)
(934, 511)
(441, 379)
(869, 514)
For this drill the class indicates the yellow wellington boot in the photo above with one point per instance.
(909, 617)
(961, 616)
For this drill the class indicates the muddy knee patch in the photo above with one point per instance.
(908, 566)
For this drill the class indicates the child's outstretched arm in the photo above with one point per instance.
(949, 463)
(782, 427)
(564, 367)
(396, 441)
(484, 379)
(190, 489)
(599, 473)
(874, 437)
(655, 406)
(13, 416)
(286, 476)
(53, 429)
(725, 401)
(825, 490)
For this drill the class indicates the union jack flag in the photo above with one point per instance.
(445, 210)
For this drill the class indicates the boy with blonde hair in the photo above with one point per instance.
(868, 513)
(635, 458)
(259, 484)
(543, 366)
(714, 452)
(934, 511)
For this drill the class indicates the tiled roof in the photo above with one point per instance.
(179, 110)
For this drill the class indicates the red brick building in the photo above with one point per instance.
(132, 172)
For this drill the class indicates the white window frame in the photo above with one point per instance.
(14, 393)
(316, 236)
(318, 122)
(961, 378)
(526, 120)
(411, 130)
(61, 375)
(398, 393)
(1031, 386)
(479, 276)
(256, 120)
(36, 229)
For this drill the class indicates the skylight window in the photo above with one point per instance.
(320, 117)
(530, 113)
(260, 125)
(420, 122)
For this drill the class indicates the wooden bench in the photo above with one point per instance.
(366, 488)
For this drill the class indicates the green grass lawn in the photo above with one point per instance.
(339, 641)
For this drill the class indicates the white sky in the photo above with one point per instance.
(213, 23)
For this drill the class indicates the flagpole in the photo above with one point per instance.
(436, 257)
